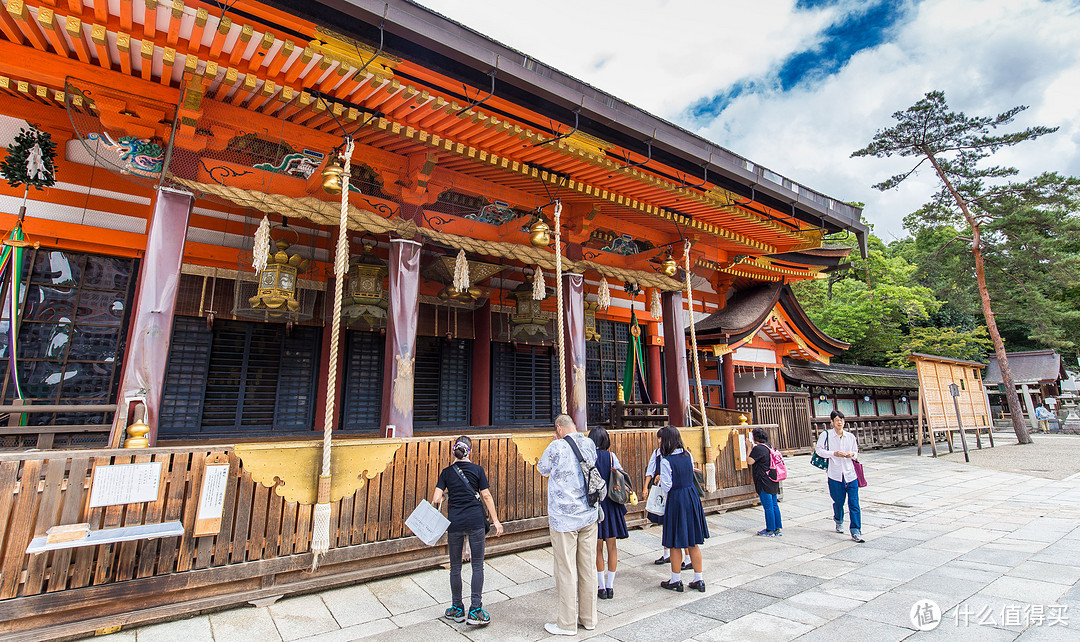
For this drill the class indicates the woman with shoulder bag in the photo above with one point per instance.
(613, 526)
(466, 485)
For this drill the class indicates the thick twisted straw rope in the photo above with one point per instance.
(693, 344)
(560, 317)
(323, 213)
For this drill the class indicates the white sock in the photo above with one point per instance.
(697, 577)
(599, 579)
(675, 577)
(611, 579)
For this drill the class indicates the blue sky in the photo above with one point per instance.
(797, 85)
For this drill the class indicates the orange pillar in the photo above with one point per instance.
(728, 367)
(656, 380)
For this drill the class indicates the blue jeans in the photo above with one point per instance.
(455, 541)
(838, 491)
(772, 511)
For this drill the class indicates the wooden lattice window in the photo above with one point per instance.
(524, 386)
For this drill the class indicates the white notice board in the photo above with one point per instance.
(125, 484)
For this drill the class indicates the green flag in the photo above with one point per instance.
(634, 360)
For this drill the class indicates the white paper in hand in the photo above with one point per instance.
(427, 523)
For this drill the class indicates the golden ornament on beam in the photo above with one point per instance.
(539, 233)
(331, 175)
(669, 267)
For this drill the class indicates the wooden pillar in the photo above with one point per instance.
(401, 316)
(573, 320)
(1030, 405)
(678, 383)
(147, 353)
(727, 367)
(480, 408)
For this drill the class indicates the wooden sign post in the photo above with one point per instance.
(215, 479)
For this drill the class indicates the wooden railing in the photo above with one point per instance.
(14, 435)
(884, 431)
(789, 410)
(263, 544)
(638, 415)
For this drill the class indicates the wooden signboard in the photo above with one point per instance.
(936, 402)
(215, 479)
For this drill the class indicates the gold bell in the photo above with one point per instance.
(669, 267)
(136, 431)
(331, 176)
(539, 233)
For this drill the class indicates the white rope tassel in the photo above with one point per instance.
(261, 253)
(710, 466)
(654, 305)
(539, 287)
(560, 351)
(461, 272)
(603, 298)
(320, 528)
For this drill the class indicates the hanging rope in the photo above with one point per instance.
(560, 351)
(320, 534)
(694, 354)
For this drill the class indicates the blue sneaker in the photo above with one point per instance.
(455, 613)
(778, 533)
(766, 533)
(478, 617)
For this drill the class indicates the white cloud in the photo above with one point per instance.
(987, 55)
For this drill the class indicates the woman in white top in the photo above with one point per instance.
(841, 449)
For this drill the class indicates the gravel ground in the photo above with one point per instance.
(1050, 456)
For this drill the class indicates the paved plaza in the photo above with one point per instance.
(997, 550)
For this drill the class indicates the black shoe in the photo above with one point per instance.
(610, 593)
(857, 539)
(687, 565)
(672, 586)
(662, 560)
(601, 594)
(697, 585)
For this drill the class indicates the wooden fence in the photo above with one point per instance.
(876, 431)
(789, 410)
(263, 545)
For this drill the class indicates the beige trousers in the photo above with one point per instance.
(575, 576)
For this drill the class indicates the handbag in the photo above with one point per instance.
(699, 483)
(817, 461)
(476, 495)
(657, 502)
(859, 473)
(619, 486)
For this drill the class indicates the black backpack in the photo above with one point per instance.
(595, 485)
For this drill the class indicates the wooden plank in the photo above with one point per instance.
(356, 535)
(134, 515)
(82, 570)
(21, 529)
(114, 517)
(148, 549)
(303, 529)
(273, 525)
(288, 529)
(374, 508)
(408, 477)
(174, 510)
(47, 516)
(257, 532)
(72, 513)
(185, 556)
(246, 492)
(344, 523)
(395, 494)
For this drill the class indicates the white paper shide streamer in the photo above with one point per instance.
(655, 308)
(35, 164)
(603, 298)
(261, 253)
(539, 288)
(461, 272)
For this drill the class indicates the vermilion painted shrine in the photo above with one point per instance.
(180, 127)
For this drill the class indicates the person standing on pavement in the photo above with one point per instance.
(466, 486)
(760, 457)
(684, 518)
(652, 478)
(1043, 415)
(613, 526)
(841, 449)
(572, 524)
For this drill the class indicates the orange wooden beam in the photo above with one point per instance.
(101, 44)
(72, 236)
(176, 15)
(240, 45)
(101, 10)
(223, 28)
(150, 19)
(75, 32)
(21, 15)
(146, 51)
(125, 15)
(10, 28)
(123, 45)
(282, 55)
(195, 39)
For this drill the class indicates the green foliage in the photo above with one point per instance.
(13, 167)
(971, 345)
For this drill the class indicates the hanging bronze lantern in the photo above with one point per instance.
(364, 295)
(539, 233)
(668, 267)
(591, 333)
(331, 175)
(277, 283)
(528, 323)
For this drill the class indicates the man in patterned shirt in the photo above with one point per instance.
(572, 524)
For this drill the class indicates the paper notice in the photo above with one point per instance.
(742, 449)
(125, 484)
(427, 523)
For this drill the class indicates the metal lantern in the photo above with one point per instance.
(277, 283)
(364, 295)
(527, 321)
(591, 333)
(539, 233)
(668, 267)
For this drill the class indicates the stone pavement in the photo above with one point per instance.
(996, 550)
